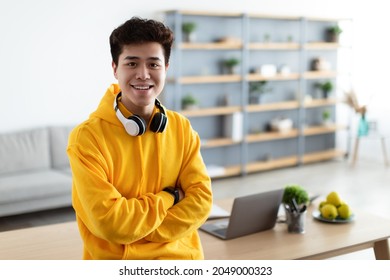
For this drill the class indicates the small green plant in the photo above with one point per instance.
(256, 91)
(229, 65)
(295, 192)
(326, 87)
(231, 62)
(188, 27)
(326, 115)
(258, 87)
(332, 33)
(335, 29)
(188, 100)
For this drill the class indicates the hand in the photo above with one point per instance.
(181, 193)
(176, 192)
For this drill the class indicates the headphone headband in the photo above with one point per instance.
(156, 102)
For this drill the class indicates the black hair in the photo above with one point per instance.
(137, 31)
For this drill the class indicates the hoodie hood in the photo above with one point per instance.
(105, 109)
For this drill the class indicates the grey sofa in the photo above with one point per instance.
(34, 170)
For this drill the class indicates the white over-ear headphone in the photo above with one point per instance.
(135, 125)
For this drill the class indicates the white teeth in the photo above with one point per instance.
(141, 87)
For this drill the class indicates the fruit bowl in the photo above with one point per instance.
(317, 215)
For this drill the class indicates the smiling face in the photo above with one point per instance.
(141, 72)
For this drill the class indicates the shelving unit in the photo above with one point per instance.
(255, 40)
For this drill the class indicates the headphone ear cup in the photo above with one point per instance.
(158, 123)
(135, 125)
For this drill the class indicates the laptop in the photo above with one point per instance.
(250, 214)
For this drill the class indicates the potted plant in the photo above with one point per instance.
(256, 90)
(267, 37)
(326, 117)
(188, 29)
(295, 200)
(332, 33)
(189, 102)
(231, 64)
(326, 87)
(297, 193)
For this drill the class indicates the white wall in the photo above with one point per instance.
(55, 62)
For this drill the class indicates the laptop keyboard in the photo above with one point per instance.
(221, 231)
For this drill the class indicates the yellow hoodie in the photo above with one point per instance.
(121, 210)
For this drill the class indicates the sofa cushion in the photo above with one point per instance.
(28, 186)
(65, 170)
(24, 151)
(39, 204)
(58, 143)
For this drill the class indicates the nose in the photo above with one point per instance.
(143, 72)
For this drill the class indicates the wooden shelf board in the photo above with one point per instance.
(319, 74)
(211, 111)
(211, 46)
(272, 164)
(277, 77)
(268, 136)
(252, 77)
(229, 171)
(207, 13)
(217, 142)
(273, 46)
(268, 16)
(321, 46)
(321, 156)
(287, 105)
(315, 130)
(320, 102)
(326, 19)
(253, 15)
(210, 79)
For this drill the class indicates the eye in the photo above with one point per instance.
(154, 65)
(132, 64)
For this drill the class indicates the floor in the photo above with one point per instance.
(366, 186)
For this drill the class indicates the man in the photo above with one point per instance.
(140, 187)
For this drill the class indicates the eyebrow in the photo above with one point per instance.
(136, 57)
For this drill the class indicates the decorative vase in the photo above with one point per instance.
(325, 94)
(190, 107)
(231, 70)
(363, 126)
(327, 122)
(331, 36)
(255, 99)
(189, 37)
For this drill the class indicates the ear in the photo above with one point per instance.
(114, 67)
(166, 66)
